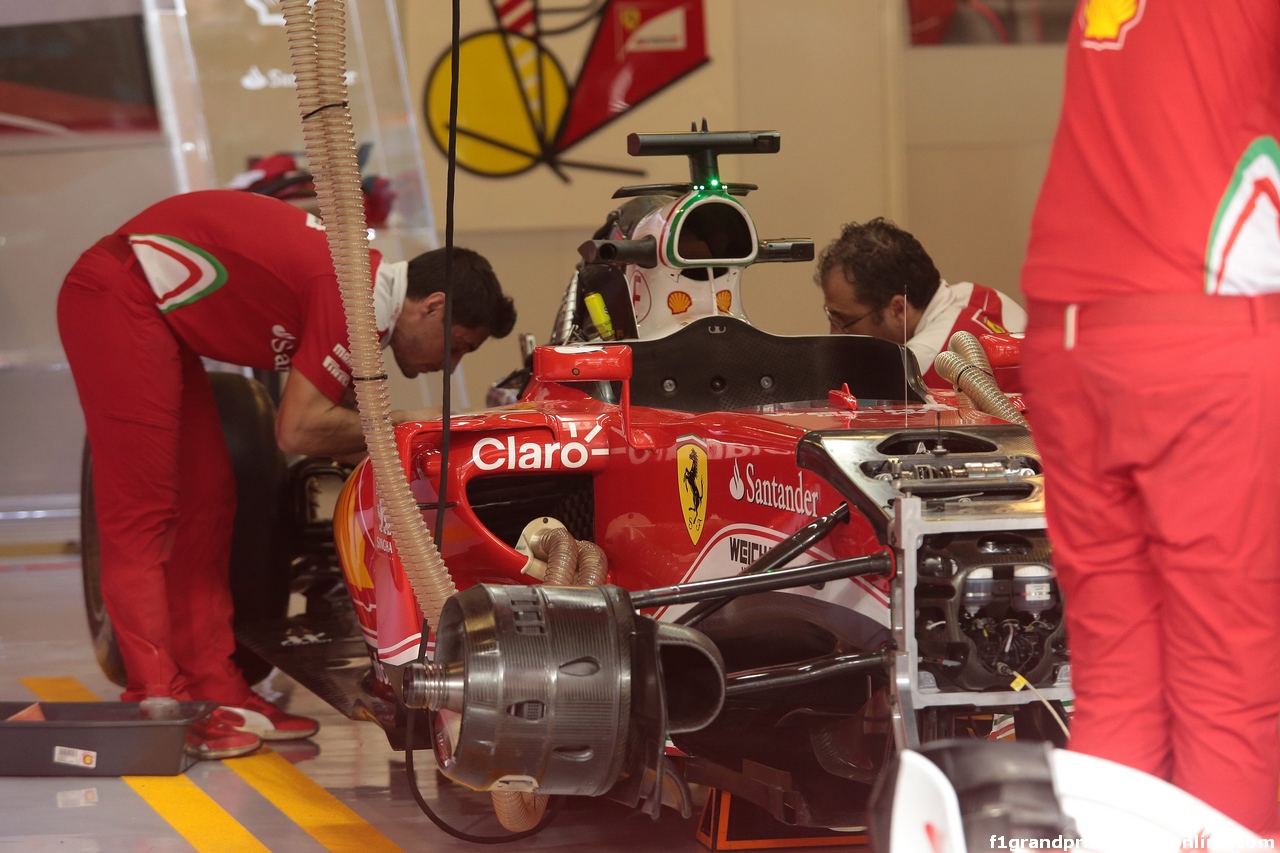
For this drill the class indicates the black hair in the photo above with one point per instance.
(478, 300)
(881, 261)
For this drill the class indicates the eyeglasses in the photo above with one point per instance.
(834, 320)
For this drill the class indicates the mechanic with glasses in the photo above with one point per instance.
(878, 280)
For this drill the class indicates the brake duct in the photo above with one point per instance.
(562, 690)
(568, 562)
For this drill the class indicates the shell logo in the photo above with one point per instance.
(1106, 22)
(724, 300)
(679, 302)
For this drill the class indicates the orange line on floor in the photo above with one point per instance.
(196, 816)
(60, 689)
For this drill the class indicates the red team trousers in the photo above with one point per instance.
(165, 491)
(1158, 437)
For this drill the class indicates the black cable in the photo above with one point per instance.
(553, 806)
(447, 384)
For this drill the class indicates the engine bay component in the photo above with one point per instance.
(988, 609)
(562, 690)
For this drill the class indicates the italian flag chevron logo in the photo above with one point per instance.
(1243, 256)
(179, 272)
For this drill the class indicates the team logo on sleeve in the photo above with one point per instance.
(1106, 22)
(1244, 247)
(178, 272)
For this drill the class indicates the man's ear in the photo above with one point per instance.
(897, 307)
(431, 304)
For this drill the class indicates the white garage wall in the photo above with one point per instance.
(979, 125)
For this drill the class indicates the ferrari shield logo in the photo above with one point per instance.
(691, 473)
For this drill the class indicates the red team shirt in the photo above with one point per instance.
(1139, 200)
(245, 279)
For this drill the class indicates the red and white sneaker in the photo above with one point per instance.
(269, 722)
(217, 735)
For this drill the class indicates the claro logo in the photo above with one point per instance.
(772, 493)
(529, 453)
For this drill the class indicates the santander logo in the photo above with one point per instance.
(774, 493)
(736, 487)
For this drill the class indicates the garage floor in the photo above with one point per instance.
(344, 790)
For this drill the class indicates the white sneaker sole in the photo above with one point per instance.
(260, 725)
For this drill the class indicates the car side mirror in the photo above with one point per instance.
(607, 363)
(1002, 350)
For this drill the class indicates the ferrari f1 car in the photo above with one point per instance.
(862, 560)
(786, 555)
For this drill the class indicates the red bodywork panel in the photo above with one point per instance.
(711, 494)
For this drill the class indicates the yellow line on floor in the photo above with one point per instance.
(196, 816)
(38, 549)
(321, 814)
(59, 690)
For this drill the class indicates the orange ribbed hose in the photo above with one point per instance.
(316, 46)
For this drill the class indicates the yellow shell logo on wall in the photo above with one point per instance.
(1106, 22)
(679, 302)
(724, 300)
(691, 477)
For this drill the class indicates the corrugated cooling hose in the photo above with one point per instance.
(316, 46)
(969, 348)
(981, 388)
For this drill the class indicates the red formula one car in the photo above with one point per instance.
(688, 446)
(784, 553)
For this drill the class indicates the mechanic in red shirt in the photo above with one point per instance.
(244, 279)
(1151, 361)
(878, 280)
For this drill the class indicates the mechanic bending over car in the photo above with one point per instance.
(1151, 362)
(244, 279)
(878, 280)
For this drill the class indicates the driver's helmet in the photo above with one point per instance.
(704, 240)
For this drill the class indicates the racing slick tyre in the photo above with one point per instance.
(260, 542)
